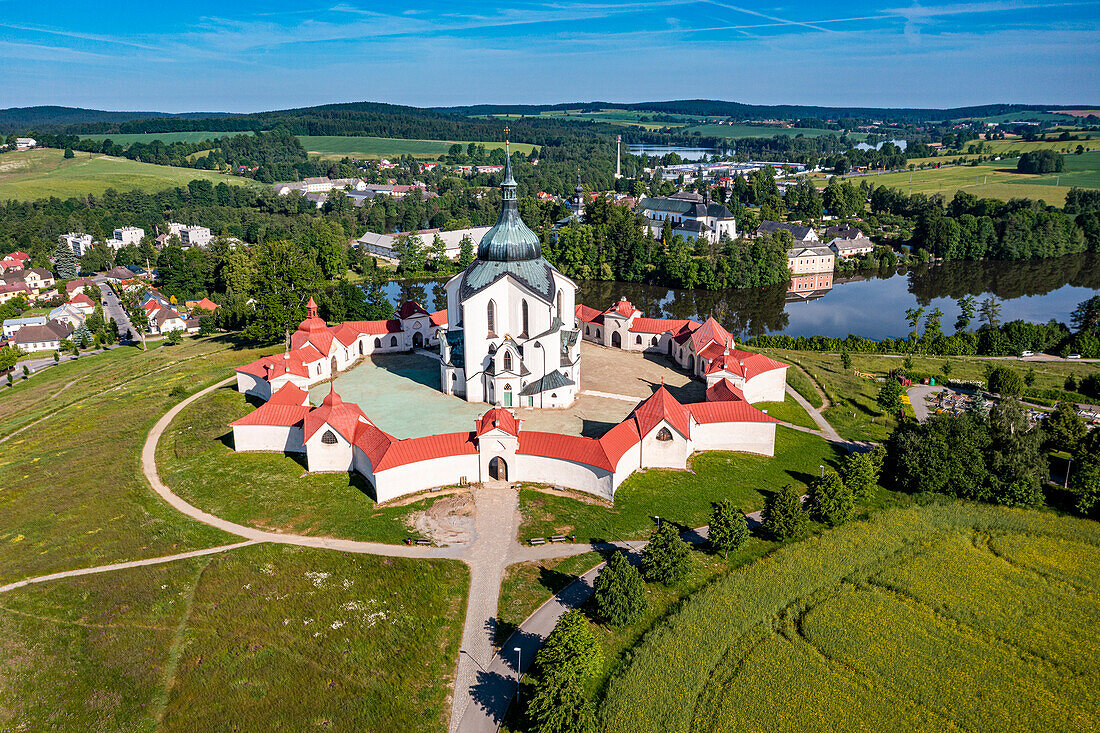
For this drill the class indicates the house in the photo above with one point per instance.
(119, 274)
(194, 236)
(851, 247)
(691, 215)
(12, 290)
(9, 264)
(166, 320)
(34, 280)
(21, 256)
(129, 235)
(46, 337)
(12, 325)
(810, 259)
(79, 242)
(381, 245)
(800, 233)
(68, 314)
(25, 143)
(79, 285)
(206, 304)
(82, 303)
(319, 184)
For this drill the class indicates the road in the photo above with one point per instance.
(112, 308)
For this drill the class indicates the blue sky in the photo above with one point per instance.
(229, 56)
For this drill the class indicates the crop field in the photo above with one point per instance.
(679, 496)
(268, 490)
(267, 637)
(164, 137)
(932, 618)
(33, 174)
(736, 131)
(334, 146)
(1013, 147)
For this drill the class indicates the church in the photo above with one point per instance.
(510, 338)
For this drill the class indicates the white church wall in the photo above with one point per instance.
(328, 458)
(252, 385)
(413, 477)
(767, 387)
(665, 453)
(558, 472)
(749, 437)
(267, 438)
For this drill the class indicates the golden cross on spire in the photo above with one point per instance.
(506, 131)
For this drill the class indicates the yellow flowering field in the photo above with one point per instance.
(952, 617)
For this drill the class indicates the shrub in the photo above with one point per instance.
(728, 528)
(173, 338)
(571, 651)
(666, 556)
(889, 396)
(829, 500)
(1005, 382)
(783, 515)
(860, 474)
(619, 592)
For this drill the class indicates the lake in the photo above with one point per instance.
(871, 305)
(684, 152)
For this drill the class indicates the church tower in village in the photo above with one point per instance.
(511, 338)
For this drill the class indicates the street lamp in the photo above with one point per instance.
(542, 394)
(822, 471)
(519, 673)
(658, 523)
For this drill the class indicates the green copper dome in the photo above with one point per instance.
(510, 240)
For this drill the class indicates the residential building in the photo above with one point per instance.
(11, 325)
(79, 285)
(82, 303)
(381, 245)
(800, 233)
(194, 236)
(46, 337)
(851, 247)
(12, 290)
(691, 215)
(36, 279)
(119, 274)
(80, 242)
(25, 143)
(320, 184)
(124, 236)
(801, 260)
(68, 314)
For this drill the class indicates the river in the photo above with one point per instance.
(872, 305)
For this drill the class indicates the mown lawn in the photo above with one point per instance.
(684, 497)
(925, 618)
(268, 637)
(268, 490)
(527, 585)
(788, 411)
(33, 174)
(71, 489)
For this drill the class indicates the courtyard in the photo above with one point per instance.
(400, 394)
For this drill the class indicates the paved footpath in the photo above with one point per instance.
(823, 425)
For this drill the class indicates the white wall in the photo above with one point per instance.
(665, 454)
(321, 457)
(255, 386)
(413, 477)
(750, 437)
(570, 474)
(267, 438)
(767, 387)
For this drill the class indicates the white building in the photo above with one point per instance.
(381, 245)
(46, 337)
(510, 337)
(11, 325)
(190, 235)
(800, 233)
(691, 215)
(25, 143)
(129, 235)
(80, 242)
(810, 259)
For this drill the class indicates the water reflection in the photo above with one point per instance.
(870, 304)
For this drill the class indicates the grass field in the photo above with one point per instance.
(683, 497)
(32, 174)
(386, 147)
(267, 490)
(323, 639)
(737, 131)
(927, 618)
(788, 411)
(165, 137)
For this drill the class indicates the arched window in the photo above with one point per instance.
(507, 361)
(560, 316)
(638, 340)
(587, 332)
(329, 438)
(491, 318)
(654, 342)
(393, 341)
(523, 308)
(378, 343)
(664, 435)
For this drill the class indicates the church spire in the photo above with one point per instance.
(508, 185)
(510, 240)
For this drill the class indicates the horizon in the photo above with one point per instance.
(206, 57)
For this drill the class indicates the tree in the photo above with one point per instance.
(619, 592)
(1041, 161)
(286, 277)
(728, 528)
(1029, 376)
(465, 251)
(666, 557)
(560, 707)
(913, 317)
(1086, 317)
(889, 396)
(65, 261)
(9, 356)
(437, 255)
(783, 515)
(410, 253)
(571, 650)
(1063, 428)
(967, 304)
(829, 500)
(991, 312)
(1005, 382)
(26, 371)
(860, 474)
(946, 368)
(1017, 464)
(69, 154)
(206, 325)
(845, 359)
(173, 338)
(1085, 476)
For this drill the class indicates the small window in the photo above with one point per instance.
(378, 343)
(664, 435)
(638, 340)
(587, 332)
(393, 341)
(329, 438)
(654, 342)
(507, 361)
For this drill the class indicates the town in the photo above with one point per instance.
(355, 375)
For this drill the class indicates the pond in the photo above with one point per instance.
(684, 152)
(872, 305)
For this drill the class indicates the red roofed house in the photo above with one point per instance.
(82, 303)
(275, 425)
(79, 285)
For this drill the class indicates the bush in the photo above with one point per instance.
(1005, 382)
(173, 338)
(571, 651)
(829, 500)
(783, 515)
(860, 475)
(620, 592)
(666, 557)
(728, 527)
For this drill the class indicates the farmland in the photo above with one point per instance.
(334, 146)
(736, 131)
(32, 174)
(164, 137)
(926, 618)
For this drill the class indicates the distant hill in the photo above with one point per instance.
(21, 119)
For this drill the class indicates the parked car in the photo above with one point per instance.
(1074, 356)
(1026, 353)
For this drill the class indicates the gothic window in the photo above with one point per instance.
(560, 316)
(507, 361)
(664, 435)
(491, 318)
(654, 341)
(378, 343)
(523, 307)
(393, 341)
(638, 340)
(587, 332)
(328, 438)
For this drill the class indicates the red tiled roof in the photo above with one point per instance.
(274, 413)
(17, 255)
(411, 308)
(205, 304)
(622, 308)
(619, 439)
(727, 411)
(710, 331)
(375, 328)
(385, 452)
(290, 394)
(439, 318)
(72, 285)
(662, 406)
(345, 334)
(724, 390)
(81, 299)
(564, 447)
(685, 333)
(713, 351)
(657, 325)
(747, 364)
(344, 417)
(588, 315)
(292, 363)
(14, 288)
(497, 417)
